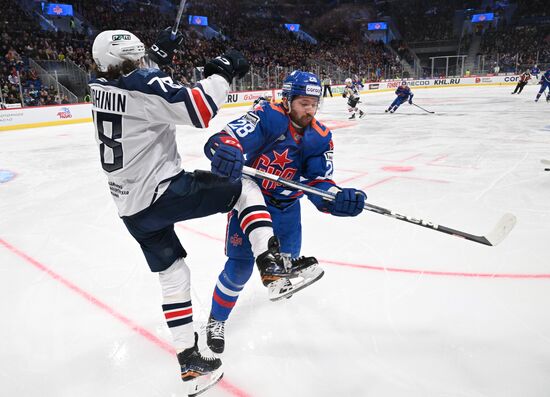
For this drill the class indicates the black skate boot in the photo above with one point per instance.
(298, 265)
(352, 117)
(215, 335)
(200, 373)
(283, 276)
(361, 114)
(193, 364)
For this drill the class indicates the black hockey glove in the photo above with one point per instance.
(164, 48)
(257, 101)
(230, 65)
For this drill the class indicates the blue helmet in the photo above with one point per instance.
(301, 83)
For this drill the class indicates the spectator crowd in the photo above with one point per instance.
(256, 30)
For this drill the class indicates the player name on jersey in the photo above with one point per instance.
(111, 101)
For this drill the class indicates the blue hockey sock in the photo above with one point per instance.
(224, 297)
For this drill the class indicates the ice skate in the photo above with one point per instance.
(352, 117)
(201, 372)
(215, 335)
(361, 114)
(277, 271)
(308, 271)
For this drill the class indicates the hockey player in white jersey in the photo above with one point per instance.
(351, 92)
(135, 110)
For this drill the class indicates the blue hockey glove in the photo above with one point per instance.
(410, 101)
(165, 47)
(348, 202)
(228, 161)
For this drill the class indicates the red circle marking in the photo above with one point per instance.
(398, 168)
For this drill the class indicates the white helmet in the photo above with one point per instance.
(348, 81)
(112, 47)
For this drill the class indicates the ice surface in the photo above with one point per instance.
(401, 311)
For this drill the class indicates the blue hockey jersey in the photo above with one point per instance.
(272, 144)
(404, 92)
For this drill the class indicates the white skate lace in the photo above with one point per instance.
(217, 329)
(287, 261)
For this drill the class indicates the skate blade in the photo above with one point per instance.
(276, 295)
(205, 382)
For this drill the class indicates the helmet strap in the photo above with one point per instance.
(286, 104)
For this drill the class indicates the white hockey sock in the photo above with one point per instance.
(178, 311)
(254, 218)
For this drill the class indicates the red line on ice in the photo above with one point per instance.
(227, 386)
(402, 270)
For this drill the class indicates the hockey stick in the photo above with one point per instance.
(420, 107)
(545, 162)
(499, 232)
(178, 19)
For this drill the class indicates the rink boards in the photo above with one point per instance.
(21, 118)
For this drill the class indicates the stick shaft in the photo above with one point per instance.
(178, 18)
(420, 107)
(369, 207)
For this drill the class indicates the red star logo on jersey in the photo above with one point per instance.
(281, 159)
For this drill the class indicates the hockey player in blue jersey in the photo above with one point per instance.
(135, 108)
(535, 71)
(403, 93)
(357, 83)
(283, 139)
(544, 84)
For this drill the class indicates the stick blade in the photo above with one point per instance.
(502, 229)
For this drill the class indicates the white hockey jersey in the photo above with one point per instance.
(135, 119)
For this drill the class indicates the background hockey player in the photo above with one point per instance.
(351, 92)
(404, 94)
(358, 83)
(544, 84)
(535, 71)
(135, 109)
(284, 139)
(523, 79)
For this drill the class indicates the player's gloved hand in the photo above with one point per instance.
(164, 48)
(257, 101)
(230, 65)
(348, 202)
(344, 95)
(228, 161)
(410, 101)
